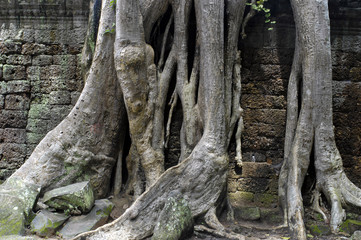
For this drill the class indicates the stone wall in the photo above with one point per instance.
(40, 43)
(40, 80)
(266, 61)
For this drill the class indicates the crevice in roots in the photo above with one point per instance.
(158, 32)
(192, 38)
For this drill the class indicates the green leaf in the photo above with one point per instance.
(270, 29)
(267, 20)
(273, 22)
(267, 15)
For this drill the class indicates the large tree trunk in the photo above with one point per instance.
(310, 126)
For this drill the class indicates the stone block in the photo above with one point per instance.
(39, 126)
(1, 71)
(52, 72)
(253, 157)
(263, 101)
(257, 170)
(266, 200)
(254, 185)
(350, 225)
(9, 47)
(96, 218)
(13, 119)
(19, 60)
(270, 116)
(60, 98)
(355, 74)
(65, 60)
(33, 49)
(3, 58)
(39, 111)
(240, 198)
(59, 112)
(75, 198)
(2, 102)
(13, 151)
(42, 60)
(17, 102)
(247, 213)
(14, 72)
(13, 135)
(33, 72)
(34, 138)
(46, 223)
(17, 86)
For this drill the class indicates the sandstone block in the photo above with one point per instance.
(60, 98)
(39, 111)
(13, 119)
(240, 198)
(3, 58)
(13, 135)
(46, 223)
(257, 170)
(96, 218)
(19, 60)
(254, 185)
(34, 138)
(13, 151)
(75, 197)
(33, 72)
(39, 126)
(65, 60)
(42, 60)
(17, 86)
(9, 47)
(17, 102)
(2, 103)
(14, 72)
(247, 213)
(33, 49)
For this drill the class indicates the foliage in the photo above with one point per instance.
(259, 7)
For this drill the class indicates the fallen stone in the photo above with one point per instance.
(46, 223)
(356, 235)
(175, 221)
(97, 217)
(17, 200)
(350, 225)
(75, 198)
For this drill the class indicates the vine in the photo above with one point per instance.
(259, 7)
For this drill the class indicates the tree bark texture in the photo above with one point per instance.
(128, 84)
(310, 126)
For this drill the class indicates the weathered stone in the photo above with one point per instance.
(74, 97)
(2, 102)
(241, 198)
(318, 229)
(270, 116)
(355, 74)
(19, 60)
(255, 185)
(13, 119)
(356, 235)
(247, 213)
(39, 111)
(42, 60)
(17, 102)
(350, 225)
(175, 221)
(17, 200)
(9, 47)
(33, 49)
(263, 101)
(266, 200)
(65, 60)
(14, 72)
(12, 135)
(94, 219)
(258, 170)
(34, 138)
(46, 223)
(33, 72)
(17, 86)
(39, 126)
(60, 98)
(73, 198)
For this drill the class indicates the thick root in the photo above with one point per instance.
(219, 233)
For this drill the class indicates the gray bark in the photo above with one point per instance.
(312, 127)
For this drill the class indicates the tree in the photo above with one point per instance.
(127, 84)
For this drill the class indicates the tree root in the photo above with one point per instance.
(218, 233)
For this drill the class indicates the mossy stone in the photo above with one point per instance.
(319, 230)
(73, 198)
(350, 226)
(175, 221)
(247, 213)
(46, 223)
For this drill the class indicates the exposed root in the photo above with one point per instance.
(212, 220)
(251, 13)
(219, 233)
(173, 103)
(316, 200)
